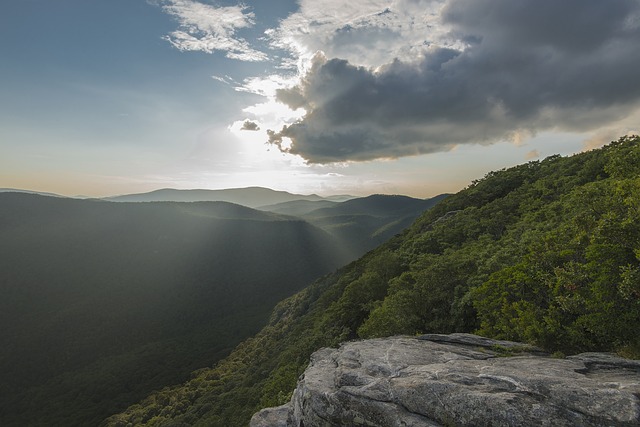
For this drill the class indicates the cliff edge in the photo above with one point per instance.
(458, 379)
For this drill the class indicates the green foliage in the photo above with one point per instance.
(546, 253)
(623, 158)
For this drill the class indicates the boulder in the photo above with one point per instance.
(459, 380)
(271, 417)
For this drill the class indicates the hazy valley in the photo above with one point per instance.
(104, 302)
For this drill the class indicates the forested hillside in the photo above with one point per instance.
(547, 253)
(363, 223)
(101, 302)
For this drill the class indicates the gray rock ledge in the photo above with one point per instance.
(458, 380)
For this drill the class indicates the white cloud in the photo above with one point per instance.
(208, 28)
(223, 79)
(267, 85)
(271, 113)
(369, 33)
(274, 113)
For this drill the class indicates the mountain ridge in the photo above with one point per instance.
(18, 190)
(252, 197)
(379, 204)
(361, 223)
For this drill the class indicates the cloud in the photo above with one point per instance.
(612, 131)
(366, 33)
(502, 68)
(224, 79)
(208, 28)
(249, 125)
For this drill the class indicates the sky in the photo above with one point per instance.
(415, 97)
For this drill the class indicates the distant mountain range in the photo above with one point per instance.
(358, 224)
(252, 197)
(16, 190)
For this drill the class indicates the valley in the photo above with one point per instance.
(105, 302)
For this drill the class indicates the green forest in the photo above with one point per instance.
(547, 253)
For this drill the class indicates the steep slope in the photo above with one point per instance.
(546, 253)
(378, 205)
(103, 302)
(252, 197)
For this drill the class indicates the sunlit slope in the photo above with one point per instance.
(363, 223)
(360, 224)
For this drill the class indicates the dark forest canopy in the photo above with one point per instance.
(546, 253)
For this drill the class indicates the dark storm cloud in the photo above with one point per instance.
(525, 66)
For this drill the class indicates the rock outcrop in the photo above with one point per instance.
(458, 380)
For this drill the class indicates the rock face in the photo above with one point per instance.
(458, 380)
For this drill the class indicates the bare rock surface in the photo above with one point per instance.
(272, 417)
(458, 380)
